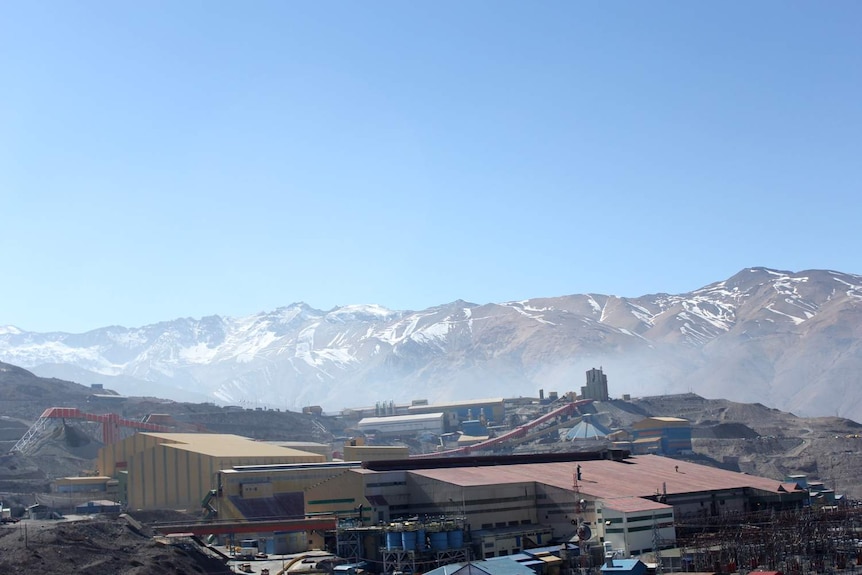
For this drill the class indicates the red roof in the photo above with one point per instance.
(638, 476)
(634, 504)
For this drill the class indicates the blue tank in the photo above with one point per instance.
(393, 540)
(408, 540)
(420, 540)
(439, 540)
(455, 538)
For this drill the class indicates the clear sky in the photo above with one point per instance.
(182, 159)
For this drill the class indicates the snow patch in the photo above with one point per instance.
(536, 315)
(199, 353)
(793, 318)
(642, 313)
(361, 312)
(854, 291)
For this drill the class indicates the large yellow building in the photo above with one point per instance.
(177, 470)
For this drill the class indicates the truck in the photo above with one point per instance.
(248, 549)
(6, 515)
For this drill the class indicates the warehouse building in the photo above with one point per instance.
(662, 435)
(396, 425)
(176, 470)
(489, 410)
(509, 500)
(502, 504)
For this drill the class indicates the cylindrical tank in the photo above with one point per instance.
(408, 540)
(393, 540)
(420, 539)
(439, 540)
(455, 538)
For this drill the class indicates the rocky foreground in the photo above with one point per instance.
(96, 546)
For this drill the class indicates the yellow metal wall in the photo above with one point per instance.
(281, 481)
(123, 450)
(374, 453)
(163, 475)
(340, 495)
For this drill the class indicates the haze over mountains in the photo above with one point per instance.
(790, 340)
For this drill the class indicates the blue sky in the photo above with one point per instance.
(182, 159)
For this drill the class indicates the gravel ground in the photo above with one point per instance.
(95, 546)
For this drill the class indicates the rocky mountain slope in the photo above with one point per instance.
(791, 340)
(97, 546)
(69, 447)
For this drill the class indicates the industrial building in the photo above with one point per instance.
(395, 425)
(375, 452)
(490, 410)
(596, 387)
(322, 449)
(662, 435)
(509, 500)
(419, 513)
(176, 470)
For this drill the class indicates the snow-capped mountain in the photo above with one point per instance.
(789, 340)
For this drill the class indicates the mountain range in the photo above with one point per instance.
(789, 340)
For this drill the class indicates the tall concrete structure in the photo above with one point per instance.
(596, 387)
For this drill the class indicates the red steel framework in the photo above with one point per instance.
(515, 433)
(111, 425)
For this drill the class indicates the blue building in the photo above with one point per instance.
(624, 567)
(483, 567)
(661, 435)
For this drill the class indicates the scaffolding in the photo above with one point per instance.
(422, 554)
(421, 561)
(350, 537)
(794, 541)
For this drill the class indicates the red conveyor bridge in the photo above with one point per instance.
(518, 432)
(111, 425)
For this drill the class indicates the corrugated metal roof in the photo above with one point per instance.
(83, 479)
(650, 422)
(503, 566)
(465, 403)
(229, 445)
(586, 429)
(365, 421)
(472, 438)
(623, 565)
(637, 476)
(634, 504)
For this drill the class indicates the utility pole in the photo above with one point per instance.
(656, 545)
